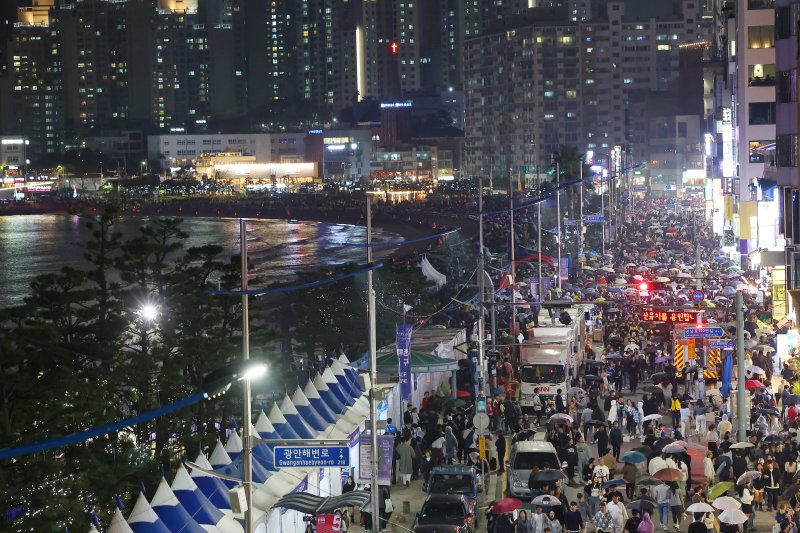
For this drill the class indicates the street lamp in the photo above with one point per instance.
(148, 312)
(143, 167)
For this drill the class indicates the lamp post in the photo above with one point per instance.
(143, 167)
(247, 457)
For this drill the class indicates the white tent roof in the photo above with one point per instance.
(234, 444)
(263, 425)
(142, 512)
(219, 457)
(118, 524)
(275, 415)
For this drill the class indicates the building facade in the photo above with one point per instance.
(553, 81)
(181, 149)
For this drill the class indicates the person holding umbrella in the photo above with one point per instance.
(698, 526)
(747, 504)
(676, 504)
(629, 473)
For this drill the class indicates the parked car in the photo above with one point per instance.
(523, 456)
(453, 513)
(454, 479)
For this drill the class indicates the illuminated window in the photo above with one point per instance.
(761, 36)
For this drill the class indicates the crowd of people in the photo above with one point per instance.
(630, 387)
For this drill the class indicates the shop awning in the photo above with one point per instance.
(421, 363)
(311, 504)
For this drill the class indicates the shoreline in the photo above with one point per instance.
(408, 225)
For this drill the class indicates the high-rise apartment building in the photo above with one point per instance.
(36, 76)
(557, 81)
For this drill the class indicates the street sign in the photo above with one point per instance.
(670, 317)
(698, 296)
(312, 456)
(594, 218)
(570, 222)
(703, 333)
(481, 421)
(725, 345)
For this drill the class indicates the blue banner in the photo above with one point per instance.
(404, 359)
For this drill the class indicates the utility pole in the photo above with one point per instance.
(247, 448)
(741, 392)
(481, 289)
(373, 375)
(580, 216)
(539, 228)
(558, 222)
(513, 258)
(603, 211)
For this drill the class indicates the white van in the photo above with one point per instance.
(522, 457)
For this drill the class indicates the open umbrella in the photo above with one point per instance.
(546, 500)
(592, 377)
(669, 474)
(560, 418)
(741, 445)
(718, 490)
(550, 474)
(613, 483)
(506, 505)
(700, 507)
(733, 516)
(747, 477)
(753, 384)
(649, 482)
(634, 457)
(673, 447)
(658, 375)
(593, 362)
(755, 369)
(643, 506)
(645, 450)
(649, 418)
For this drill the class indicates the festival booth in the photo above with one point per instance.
(434, 361)
(331, 406)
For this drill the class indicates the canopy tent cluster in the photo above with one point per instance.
(330, 406)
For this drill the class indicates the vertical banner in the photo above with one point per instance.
(403, 341)
(385, 455)
(564, 270)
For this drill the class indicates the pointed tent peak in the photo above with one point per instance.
(142, 512)
(337, 367)
(118, 524)
(164, 496)
(311, 391)
(275, 415)
(287, 406)
(93, 529)
(183, 481)
(202, 462)
(219, 456)
(328, 376)
(263, 425)
(234, 444)
(343, 360)
(320, 384)
(299, 399)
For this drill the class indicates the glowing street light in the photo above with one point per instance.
(148, 312)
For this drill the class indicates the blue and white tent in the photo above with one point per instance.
(143, 518)
(331, 405)
(281, 425)
(212, 487)
(198, 506)
(172, 513)
(311, 392)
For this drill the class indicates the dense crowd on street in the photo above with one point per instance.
(630, 393)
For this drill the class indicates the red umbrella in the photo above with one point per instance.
(753, 384)
(506, 505)
(602, 281)
(463, 394)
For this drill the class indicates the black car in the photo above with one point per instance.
(452, 513)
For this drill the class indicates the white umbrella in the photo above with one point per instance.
(726, 502)
(684, 275)
(648, 418)
(755, 369)
(732, 516)
(741, 445)
(700, 507)
(632, 346)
